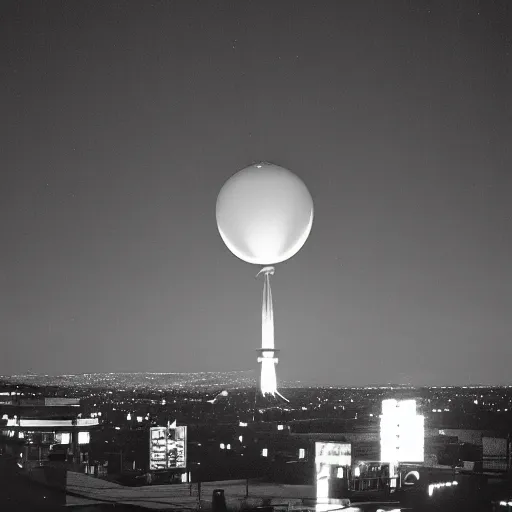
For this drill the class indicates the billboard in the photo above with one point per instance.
(335, 454)
(167, 447)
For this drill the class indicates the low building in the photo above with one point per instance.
(40, 429)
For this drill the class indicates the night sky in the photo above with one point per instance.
(121, 121)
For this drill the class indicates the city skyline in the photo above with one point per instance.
(125, 119)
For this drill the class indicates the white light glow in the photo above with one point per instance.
(323, 473)
(302, 453)
(241, 438)
(440, 485)
(83, 422)
(242, 424)
(280, 427)
(139, 419)
(401, 432)
(268, 380)
(84, 437)
(222, 446)
(264, 214)
(228, 447)
(264, 452)
(63, 437)
(52, 423)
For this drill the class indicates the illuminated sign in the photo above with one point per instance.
(80, 422)
(167, 447)
(402, 435)
(338, 454)
(327, 457)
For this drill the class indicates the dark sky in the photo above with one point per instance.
(122, 120)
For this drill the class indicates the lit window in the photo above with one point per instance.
(228, 447)
(302, 453)
(280, 427)
(83, 437)
(222, 446)
(264, 452)
(339, 473)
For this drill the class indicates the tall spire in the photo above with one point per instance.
(267, 359)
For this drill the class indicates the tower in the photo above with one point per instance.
(267, 357)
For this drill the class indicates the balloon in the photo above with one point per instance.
(264, 214)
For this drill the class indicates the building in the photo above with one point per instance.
(40, 429)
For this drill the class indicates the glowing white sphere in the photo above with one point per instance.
(264, 214)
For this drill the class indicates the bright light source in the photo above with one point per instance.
(357, 472)
(240, 438)
(129, 417)
(280, 427)
(339, 473)
(64, 437)
(302, 453)
(84, 437)
(139, 419)
(401, 432)
(118, 428)
(323, 473)
(243, 424)
(222, 446)
(21, 435)
(264, 452)
(228, 447)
